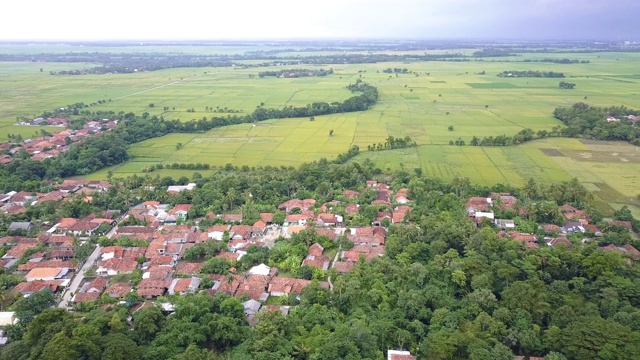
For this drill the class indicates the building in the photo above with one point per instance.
(46, 274)
(20, 227)
(399, 355)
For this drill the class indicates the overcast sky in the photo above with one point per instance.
(291, 19)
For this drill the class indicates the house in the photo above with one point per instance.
(63, 255)
(29, 265)
(233, 257)
(343, 266)
(316, 259)
(399, 355)
(556, 241)
(188, 268)
(297, 219)
(184, 286)
(8, 318)
(30, 287)
(625, 224)
(626, 250)
(325, 219)
(528, 239)
(216, 232)
(351, 209)
(251, 307)
(232, 218)
(255, 287)
(84, 228)
(282, 286)
(180, 211)
(572, 227)
(83, 297)
(179, 188)
(118, 290)
(151, 288)
(240, 232)
(267, 218)
(96, 285)
(505, 224)
(302, 205)
(20, 227)
(225, 283)
(477, 204)
(261, 269)
(46, 274)
(350, 194)
(258, 229)
(115, 266)
(550, 229)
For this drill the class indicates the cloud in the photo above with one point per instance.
(191, 19)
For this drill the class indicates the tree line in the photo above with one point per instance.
(295, 73)
(393, 143)
(531, 73)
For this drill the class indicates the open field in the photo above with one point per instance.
(610, 169)
(421, 105)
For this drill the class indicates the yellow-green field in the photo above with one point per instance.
(610, 169)
(421, 105)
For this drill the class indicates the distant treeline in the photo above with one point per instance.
(558, 61)
(140, 62)
(493, 53)
(530, 73)
(183, 166)
(295, 73)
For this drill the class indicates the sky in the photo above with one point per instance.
(327, 19)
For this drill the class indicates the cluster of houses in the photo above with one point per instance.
(13, 203)
(481, 209)
(50, 146)
(633, 118)
(48, 259)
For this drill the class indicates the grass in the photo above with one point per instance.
(423, 107)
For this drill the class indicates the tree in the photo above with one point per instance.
(147, 323)
(450, 128)
(179, 146)
(60, 347)
(120, 347)
(331, 132)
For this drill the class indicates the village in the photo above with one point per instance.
(50, 145)
(156, 268)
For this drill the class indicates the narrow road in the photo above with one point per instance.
(79, 278)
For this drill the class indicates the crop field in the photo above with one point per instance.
(423, 105)
(610, 169)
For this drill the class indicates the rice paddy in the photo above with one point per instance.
(424, 104)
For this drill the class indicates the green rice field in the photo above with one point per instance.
(421, 105)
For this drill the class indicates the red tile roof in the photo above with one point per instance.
(118, 290)
(82, 297)
(266, 217)
(343, 266)
(187, 268)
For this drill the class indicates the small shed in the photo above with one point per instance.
(19, 226)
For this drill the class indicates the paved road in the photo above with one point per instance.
(79, 278)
